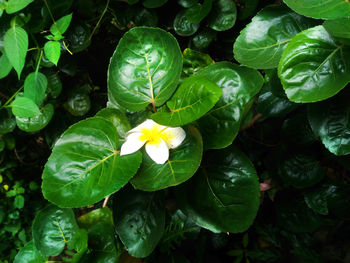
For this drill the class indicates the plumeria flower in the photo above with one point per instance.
(158, 139)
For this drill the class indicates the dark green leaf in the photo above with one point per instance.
(38, 122)
(5, 66)
(24, 108)
(153, 3)
(203, 38)
(224, 196)
(317, 201)
(198, 12)
(61, 25)
(54, 84)
(261, 43)
(52, 229)
(78, 36)
(14, 6)
(78, 104)
(35, 86)
(187, 3)
(7, 121)
(182, 164)
(195, 97)
(223, 16)
(85, 165)
(182, 26)
(314, 66)
(52, 51)
(29, 254)
(118, 119)
(246, 8)
(139, 219)
(144, 68)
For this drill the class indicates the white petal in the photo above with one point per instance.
(174, 136)
(147, 124)
(158, 152)
(132, 143)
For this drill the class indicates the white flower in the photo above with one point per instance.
(158, 139)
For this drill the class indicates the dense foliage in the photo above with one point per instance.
(257, 87)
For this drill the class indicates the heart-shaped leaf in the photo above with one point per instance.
(24, 108)
(223, 15)
(38, 122)
(182, 26)
(35, 86)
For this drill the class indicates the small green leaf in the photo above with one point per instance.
(18, 202)
(29, 254)
(204, 38)
(182, 164)
(198, 12)
(52, 229)
(223, 16)
(54, 83)
(261, 43)
(182, 26)
(139, 219)
(195, 97)
(194, 61)
(24, 108)
(7, 121)
(35, 86)
(325, 9)
(85, 165)
(38, 122)
(78, 104)
(314, 66)
(187, 3)
(16, 46)
(153, 3)
(14, 6)
(144, 68)
(5, 66)
(61, 25)
(52, 51)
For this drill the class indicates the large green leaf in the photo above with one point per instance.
(182, 164)
(35, 86)
(239, 85)
(85, 165)
(38, 122)
(197, 12)
(145, 68)
(330, 121)
(14, 6)
(195, 97)
(24, 108)
(223, 16)
(339, 28)
(16, 46)
(261, 43)
(314, 66)
(139, 219)
(182, 26)
(5, 66)
(326, 9)
(29, 254)
(53, 228)
(224, 196)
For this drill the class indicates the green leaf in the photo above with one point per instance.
(61, 25)
(52, 229)
(330, 121)
(246, 8)
(198, 12)
(239, 85)
(54, 83)
(24, 108)
(261, 43)
(144, 68)
(203, 38)
(16, 46)
(78, 37)
(153, 3)
(314, 66)
(182, 164)
(301, 171)
(18, 202)
(79, 245)
(14, 6)
(35, 86)
(224, 196)
(78, 104)
(182, 26)
(339, 28)
(317, 201)
(325, 9)
(7, 121)
(52, 51)
(223, 16)
(85, 165)
(139, 219)
(38, 122)
(5, 66)
(187, 3)
(29, 254)
(90, 219)
(195, 97)
(194, 61)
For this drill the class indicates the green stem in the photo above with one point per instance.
(12, 97)
(99, 21)
(38, 62)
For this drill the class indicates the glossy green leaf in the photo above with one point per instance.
(314, 66)
(301, 171)
(182, 164)
(52, 229)
(224, 196)
(52, 51)
(78, 104)
(153, 3)
(29, 254)
(78, 37)
(7, 121)
(182, 26)
(79, 245)
(317, 201)
(24, 108)
(5, 66)
(85, 165)
(35, 86)
(54, 83)
(203, 38)
(144, 68)
(139, 219)
(16, 46)
(239, 85)
(325, 9)
(90, 219)
(61, 25)
(187, 3)
(261, 43)
(339, 28)
(145, 17)
(38, 122)
(194, 61)
(223, 15)
(195, 97)
(198, 12)
(330, 121)
(118, 118)
(14, 6)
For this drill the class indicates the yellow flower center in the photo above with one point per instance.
(153, 135)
